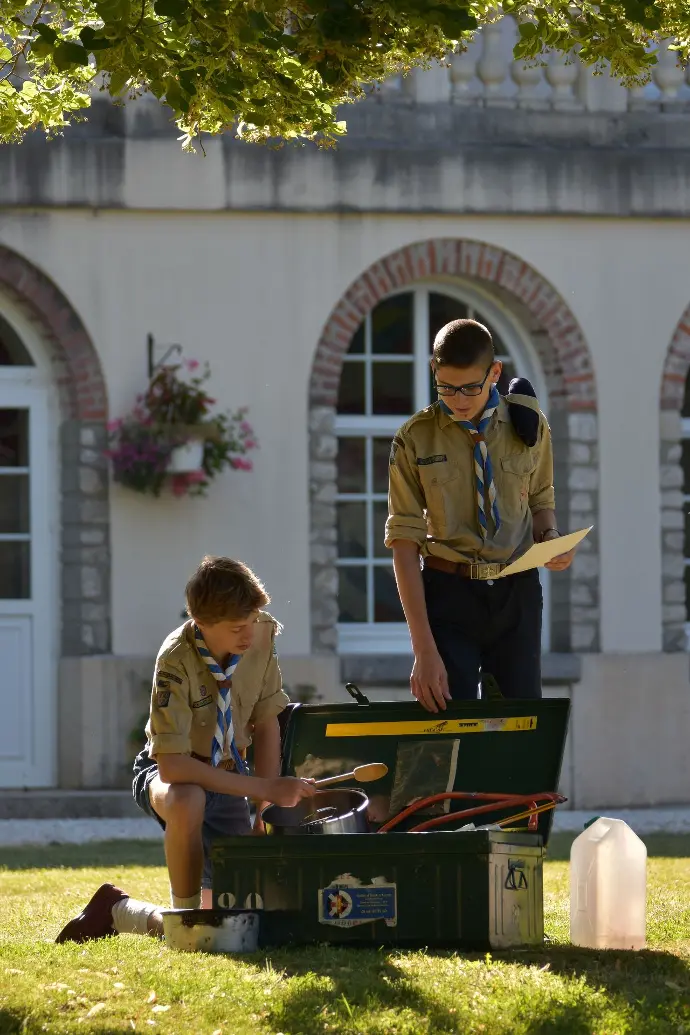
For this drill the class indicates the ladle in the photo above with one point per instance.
(361, 774)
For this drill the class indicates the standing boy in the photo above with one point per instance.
(468, 495)
(216, 688)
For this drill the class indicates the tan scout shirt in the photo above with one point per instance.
(432, 498)
(183, 700)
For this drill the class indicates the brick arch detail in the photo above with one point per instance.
(674, 377)
(569, 372)
(459, 258)
(85, 608)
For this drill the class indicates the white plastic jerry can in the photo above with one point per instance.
(608, 887)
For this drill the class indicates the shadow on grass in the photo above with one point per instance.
(650, 986)
(96, 854)
(17, 1023)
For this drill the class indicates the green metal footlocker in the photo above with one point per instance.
(469, 889)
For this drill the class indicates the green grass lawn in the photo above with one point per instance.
(130, 984)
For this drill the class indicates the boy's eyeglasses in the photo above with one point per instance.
(474, 389)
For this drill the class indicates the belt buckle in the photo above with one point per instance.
(485, 571)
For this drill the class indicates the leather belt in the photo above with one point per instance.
(482, 570)
(227, 763)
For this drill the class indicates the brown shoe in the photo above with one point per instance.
(95, 919)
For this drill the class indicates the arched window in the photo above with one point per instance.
(15, 538)
(385, 378)
(13, 352)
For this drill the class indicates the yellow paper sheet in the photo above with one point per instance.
(541, 553)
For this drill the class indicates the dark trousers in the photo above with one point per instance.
(483, 628)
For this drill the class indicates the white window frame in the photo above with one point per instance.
(393, 637)
(33, 388)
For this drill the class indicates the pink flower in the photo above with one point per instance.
(246, 428)
(192, 364)
(249, 443)
(194, 477)
(179, 484)
(242, 465)
(114, 425)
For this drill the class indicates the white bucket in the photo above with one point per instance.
(187, 458)
(211, 930)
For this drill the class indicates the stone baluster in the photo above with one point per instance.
(391, 86)
(528, 79)
(639, 98)
(562, 74)
(493, 66)
(463, 70)
(668, 75)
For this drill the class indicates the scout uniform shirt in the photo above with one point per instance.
(432, 498)
(183, 700)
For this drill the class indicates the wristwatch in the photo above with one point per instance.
(545, 533)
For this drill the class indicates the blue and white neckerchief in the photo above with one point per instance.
(483, 471)
(224, 734)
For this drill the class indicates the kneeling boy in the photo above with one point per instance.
(216, 688)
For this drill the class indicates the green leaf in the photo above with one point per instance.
(527, 30)
(188, 81)
(41, 48)
(46, 32)
(258, 20)
(171, 8)
(114, 10)
(247, 35)
(175, 98)
(68, 55)
(5, 54)
(92, 41)
(118, 82)
(229, 86)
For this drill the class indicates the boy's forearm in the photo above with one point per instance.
(542, 521)
(266, 740)
(185, 769)
(408, 576)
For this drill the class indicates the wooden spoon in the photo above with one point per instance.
(362, 774)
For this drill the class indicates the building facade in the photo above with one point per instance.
(551, 204)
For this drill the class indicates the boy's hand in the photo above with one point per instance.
(288, 790)
(429, 681)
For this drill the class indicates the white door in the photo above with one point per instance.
(27, 677)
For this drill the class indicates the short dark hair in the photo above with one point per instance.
(462, 343)
(222, 590)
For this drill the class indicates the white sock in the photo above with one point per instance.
(193, 902)
(130, 916)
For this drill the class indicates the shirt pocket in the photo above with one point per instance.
(515, 473)
(443, 493)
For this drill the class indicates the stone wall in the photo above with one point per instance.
(85, 514)
(674, 613)
(85, 539)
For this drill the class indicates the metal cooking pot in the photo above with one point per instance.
(324, 812)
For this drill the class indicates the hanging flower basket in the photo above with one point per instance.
(172, 438)
(186, 458)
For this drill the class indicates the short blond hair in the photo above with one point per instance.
(222, 589)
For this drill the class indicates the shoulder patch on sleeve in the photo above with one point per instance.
(438, 458)
(170, 675)
(162, 698)
(395, 446)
